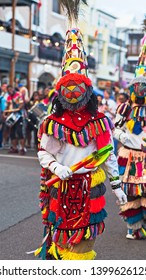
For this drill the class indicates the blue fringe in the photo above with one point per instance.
(137, 128)
(57, 223)
(98, 217)
(134, 219)
(43, 252)
(52, 217)
(122, 170)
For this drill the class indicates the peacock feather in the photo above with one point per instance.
(72, 8)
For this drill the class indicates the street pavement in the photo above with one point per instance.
(21, 229)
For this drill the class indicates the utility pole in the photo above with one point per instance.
(119, 63)
(30, 50)
(13, 61)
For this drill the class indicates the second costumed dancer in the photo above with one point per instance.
(131, 132)
(75, 135)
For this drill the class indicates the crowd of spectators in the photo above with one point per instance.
(21, 115)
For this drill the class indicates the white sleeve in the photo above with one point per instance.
(111, 167)
(121, 136)
(49, 147)
(45, 158)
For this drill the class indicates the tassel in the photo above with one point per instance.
(53, 251)
(75, 139)
(72, 237)
(133, 97)
(92, 127)
(60, 131)
(130, 125)
(56, 135)
(96, 128)
(102, 125)
(88, 233)
(81, 141)
(101, 227)
(50, 127)
(37, 251)
(95, 231)
(79, 237)
(56, 236)
(65, 238)
(85, 137)
(69, 137)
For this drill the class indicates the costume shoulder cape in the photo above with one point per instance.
(78, 128)
(135, 118)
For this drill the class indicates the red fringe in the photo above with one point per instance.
(103, 139)
(79, 237)
(53, 205)
(97, 204)
(73, 237)
(65, 238)
(57, 236)
(45, 215)
(122, 161)
(130, 212)
(78, 78)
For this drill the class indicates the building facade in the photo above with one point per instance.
(32, 42)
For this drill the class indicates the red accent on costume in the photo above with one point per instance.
(77, 78)
(97, 204)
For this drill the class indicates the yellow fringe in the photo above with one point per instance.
(37, 251)
(143, 231)
(130, 125)
(52, 251)
(97, 177)
(133, 97)
(44, 210)
(87, 235)
(75, 139)
(50, 128)
(67, 255)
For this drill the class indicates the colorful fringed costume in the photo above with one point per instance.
(73, 208)
(131, 132)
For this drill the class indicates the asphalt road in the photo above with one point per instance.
(21, 229)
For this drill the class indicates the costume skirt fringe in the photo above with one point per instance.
(133, 171)
(66, 254)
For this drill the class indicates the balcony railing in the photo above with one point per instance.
(129, 68)
(22, 44)
(50, 53)
(117, 42)
(133, 50)
(91, 62)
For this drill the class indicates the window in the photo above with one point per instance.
(56, 6)
(36, 16)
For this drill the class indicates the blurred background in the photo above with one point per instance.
(32, 37)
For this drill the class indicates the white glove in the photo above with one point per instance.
(120, 195)
(63, 172)
(120, 135)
